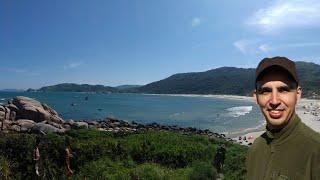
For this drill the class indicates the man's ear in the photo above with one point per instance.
(299, 93)
(254, 94)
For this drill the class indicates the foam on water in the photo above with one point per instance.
(239, 111)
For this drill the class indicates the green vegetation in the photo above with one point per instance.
(230, 80)
(103, 155)
(70, 87)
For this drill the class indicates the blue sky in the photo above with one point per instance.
(116, 42)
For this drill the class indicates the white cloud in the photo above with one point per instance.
(285, 14)
(264, 48)
(72, 65)
(255, 46)
(196, 22)
(246, 46)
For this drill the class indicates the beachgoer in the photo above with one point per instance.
(36, 157)
(68, 156)
(288, 149)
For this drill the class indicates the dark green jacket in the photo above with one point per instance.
(292, 153)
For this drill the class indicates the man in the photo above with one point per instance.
(288, 149)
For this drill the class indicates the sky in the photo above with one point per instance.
(117, 42)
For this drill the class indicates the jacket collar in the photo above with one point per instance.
(284, 133)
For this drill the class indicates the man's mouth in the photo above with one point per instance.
(275, 114)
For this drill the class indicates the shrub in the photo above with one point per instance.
(203, 171)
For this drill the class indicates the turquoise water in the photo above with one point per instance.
(216, 114)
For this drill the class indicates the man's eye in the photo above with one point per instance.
(284, 89)
(264, 91)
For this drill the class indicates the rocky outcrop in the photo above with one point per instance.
(28, 108)
(24, 114)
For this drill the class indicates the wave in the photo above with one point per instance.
(239, 111)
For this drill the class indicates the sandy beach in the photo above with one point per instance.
(307, 109)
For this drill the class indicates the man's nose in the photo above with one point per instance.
(275, 100)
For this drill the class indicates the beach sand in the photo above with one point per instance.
(307, 109)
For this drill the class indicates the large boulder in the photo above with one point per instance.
(26, 125)
(46, 128)
(31, 109)
(2, 113)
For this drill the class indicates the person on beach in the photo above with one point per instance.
(288, 149)
(36, 157)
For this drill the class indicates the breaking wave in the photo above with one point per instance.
(239, 111)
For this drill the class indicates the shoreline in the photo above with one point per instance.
(307, 109)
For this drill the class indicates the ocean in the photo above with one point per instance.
(205, 112)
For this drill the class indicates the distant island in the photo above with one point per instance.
(224, 80)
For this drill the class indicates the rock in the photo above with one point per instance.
(15, 128)
(95, 123)
(7, 116)
(26, 125)
(13, 107)
(2, 115)
(12, 115)
(59, 126)
(46, 128)
(81, 124)
(66, 126)
(31, 109)
(2, 108)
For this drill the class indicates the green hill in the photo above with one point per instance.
(70, 87)
(229, 80)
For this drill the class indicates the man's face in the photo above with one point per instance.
(277, 96)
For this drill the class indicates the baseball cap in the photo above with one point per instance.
(278, 61)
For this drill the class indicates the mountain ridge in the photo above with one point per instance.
(223, 80)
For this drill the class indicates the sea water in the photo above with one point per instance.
(205, 112)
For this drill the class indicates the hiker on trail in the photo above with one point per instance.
(219, 159)
(36, 157)
(68, 155)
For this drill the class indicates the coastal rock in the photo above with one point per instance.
(13, 107)
(7, 111)
(16, 128)
(66, 126)
(12, 116)
(46, 128)
(31, 109)
(2, 115)
(81, 124)
(59, 126)
(26, 125)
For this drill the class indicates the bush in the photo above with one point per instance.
(101, 155)
(4, 168)
(203, 171)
